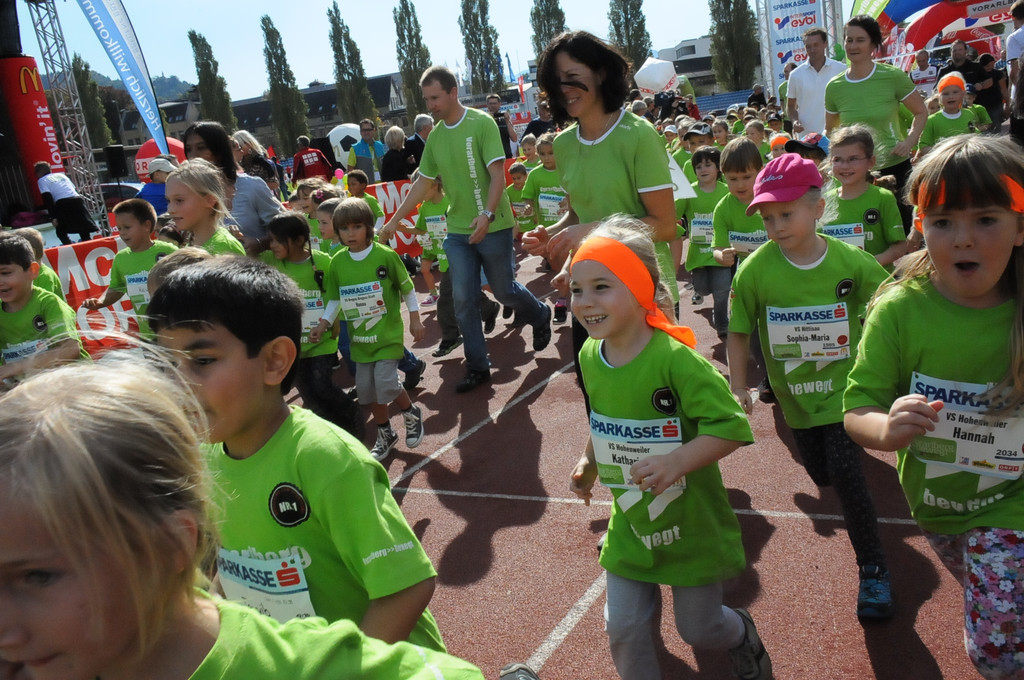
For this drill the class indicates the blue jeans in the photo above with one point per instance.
(493, 255)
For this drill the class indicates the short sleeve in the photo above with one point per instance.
(650, 163)
(743, 299)
(874, 380)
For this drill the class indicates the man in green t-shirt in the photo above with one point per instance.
(466, 151)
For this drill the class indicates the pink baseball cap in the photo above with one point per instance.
(784, 179)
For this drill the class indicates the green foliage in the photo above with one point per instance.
(287, 106)
(734, 46)
(354, 99)
(627, 30)
(547, 20)
(92, 107)
(114, 102)
(483, 59)
(215, 103)
(413, 55)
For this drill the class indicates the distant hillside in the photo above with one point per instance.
(168, 88)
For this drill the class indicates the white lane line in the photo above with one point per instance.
(780, 514)
(473, 430)
(575, 614)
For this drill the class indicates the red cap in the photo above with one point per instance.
(784, 179)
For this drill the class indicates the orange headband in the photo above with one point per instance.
(951, 79)
(924, 198)
(627, 267)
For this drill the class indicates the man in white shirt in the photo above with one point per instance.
(924, 74)
(66, 207)
(805, 98)
(1014, 53)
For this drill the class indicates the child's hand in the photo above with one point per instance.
(560, 282)
(92, 303)
(417, 329)
(910, 416)
(743, 397)
(317, 333)
(656, 474)
(583, 478)
(726, 256)
(535, 241)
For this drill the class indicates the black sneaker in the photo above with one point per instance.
(750, 660)
(517, 671)
(386, 440)
(764, 392)
(446, 347)
(473, 380)
(542, 331)
(561, 311)
(413, 377)
(413, 426)
(696, 299)
(507, 312)
(490, 319)
(874, 598)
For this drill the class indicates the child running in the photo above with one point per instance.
(521, 209)
(107, 523)
(644, 377)
(129, 272)
(952, 119)
(291, 254)
(432, 225)
(47, 279)
(804, 293)
(950, 409)
(195, 198)
(546, 199)
(365, 284)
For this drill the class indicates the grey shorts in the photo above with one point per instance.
(377, 382)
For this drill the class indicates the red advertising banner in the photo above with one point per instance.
(33, 128)
(390, 195)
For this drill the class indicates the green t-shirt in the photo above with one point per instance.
(809, 323)
(913, 344)
(313, 500)
(682, 156)
(981, 114)
(699, 213)
(461, 155)
(688, 172)
(871, 221)
(49, 281)
(734, 228)
(223, 243)
(374, 205)
(433, 218)
(316, 237)
(940, 125)
(874, 101)
(783, 95)
(530, 165)
(666, 396)
(515, 198)
(304, 274)
(45, 320)
(129, 274)
(256, 647)
(371, 293)
(543, 188)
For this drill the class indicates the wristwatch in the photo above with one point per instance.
(488, 214)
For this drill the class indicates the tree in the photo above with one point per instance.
(287, 105)
(354, 99)
(215, 103)
(547, 20)
(734, 47)
(483, 59)
(413, 55)
(92, 107)
(627, 30)
(115, 101)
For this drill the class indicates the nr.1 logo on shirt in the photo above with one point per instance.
(664, 401)
(288, 506)
(39, 323)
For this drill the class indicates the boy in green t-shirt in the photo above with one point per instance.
(302, 504)
(129, 273)
(37, 328)
(357, 183)
(804, 293)
(521, 208)
(47, 279)
(737, 234)
(980, 112)
(432, 226)
(953, 119)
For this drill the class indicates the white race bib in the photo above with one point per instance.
(137, 288)
(619, 443)
(276, 588)
(744, 242)
(966, 438)
(362, 301)
(702, 230)
(815, 333)
(851, 233)
(23, 350)
(437, 230)
(314, 309)
(550, 205)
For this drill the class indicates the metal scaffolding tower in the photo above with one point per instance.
(77, 151)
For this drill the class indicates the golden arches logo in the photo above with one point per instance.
(33, 74)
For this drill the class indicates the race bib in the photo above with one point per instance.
(701, 228)
(314, 309)
(815, 333)
(619, 443)
(851, 233)
(23, 350)
(314, 242)
(966, 438)
(362, 301)
(550, 205)
(745, 242)
(437, 230)
(276, 588)
(137, 288)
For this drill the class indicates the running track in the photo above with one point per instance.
(518, 579)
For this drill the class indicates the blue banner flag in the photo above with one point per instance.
(110, 21)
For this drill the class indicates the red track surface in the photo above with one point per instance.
(487, 493)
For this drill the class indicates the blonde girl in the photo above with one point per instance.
(103, 491)
(317, 239)
(642, 375)
(195, 199)
(949, 406)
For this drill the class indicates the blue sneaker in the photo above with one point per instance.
(874, 600)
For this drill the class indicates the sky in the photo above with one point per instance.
(233, 30)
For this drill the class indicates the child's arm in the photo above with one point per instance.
(109, 297)
(725, 256)
(657, 473)
(585, 474)
(910, 416)
(892, 253)
(64, 351)
(392, 618)
(737, 349)
(415, 325)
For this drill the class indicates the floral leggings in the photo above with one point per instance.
(990, 565)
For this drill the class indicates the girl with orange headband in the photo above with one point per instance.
(661, 417)
(952, 119)
(939, 379)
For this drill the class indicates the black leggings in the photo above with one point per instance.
(832, 458)
(901, 171)
(314, 381)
